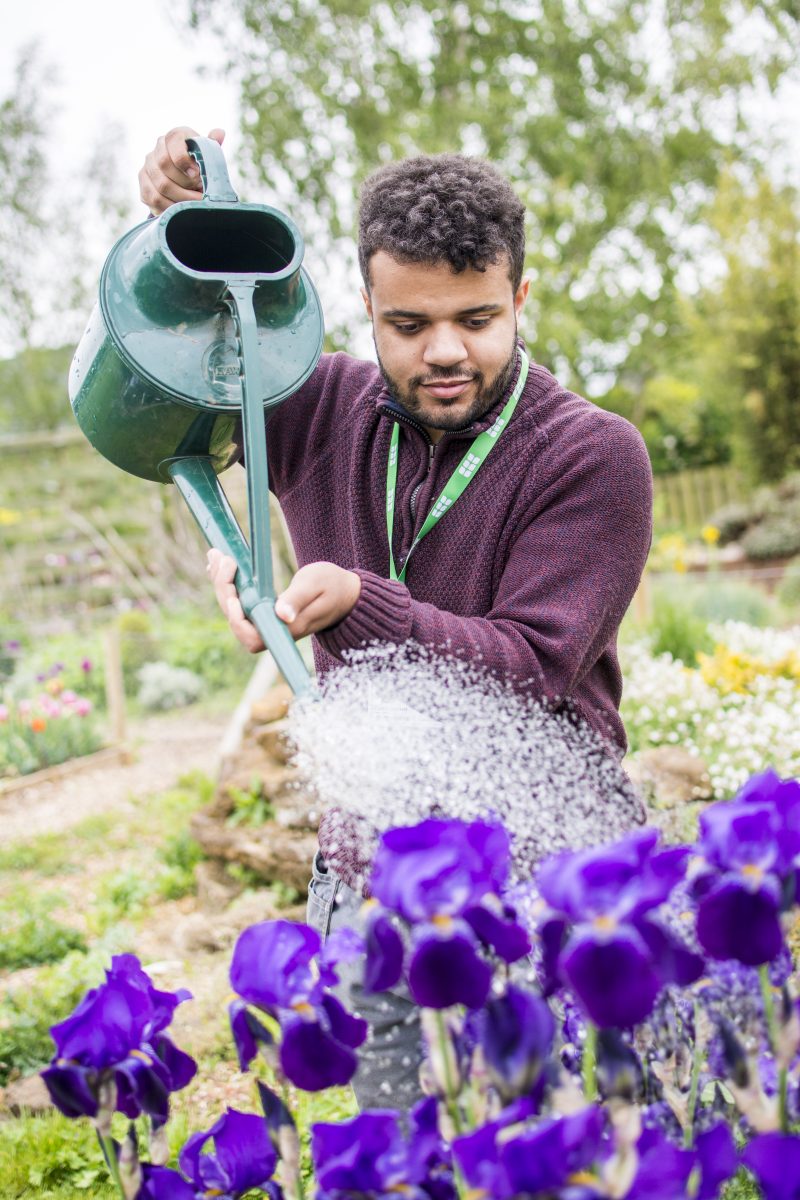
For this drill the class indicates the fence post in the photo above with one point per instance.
(115, 686)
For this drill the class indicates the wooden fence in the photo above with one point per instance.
(689, 499)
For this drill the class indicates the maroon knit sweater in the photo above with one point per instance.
(529, 573)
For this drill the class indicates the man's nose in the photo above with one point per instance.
(444, 347)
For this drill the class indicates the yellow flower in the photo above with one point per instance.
(710, 535)
(10, 516)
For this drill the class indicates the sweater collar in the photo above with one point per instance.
(388, 407)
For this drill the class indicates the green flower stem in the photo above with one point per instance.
(697, 1062)
(772, 1028)
(589, 1063)
(449, 1082)
(107, 1142)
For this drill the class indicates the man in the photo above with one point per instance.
(454, 495)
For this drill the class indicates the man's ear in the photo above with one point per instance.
(521, 295)
(367, 302)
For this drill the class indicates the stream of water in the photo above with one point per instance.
(399, 735)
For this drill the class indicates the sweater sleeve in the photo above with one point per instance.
(572, 569)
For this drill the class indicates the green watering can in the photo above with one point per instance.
(205, 319)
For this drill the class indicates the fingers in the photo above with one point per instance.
(170, 174)
(306, 587)
(221, 570)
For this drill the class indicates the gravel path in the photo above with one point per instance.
(163, 749)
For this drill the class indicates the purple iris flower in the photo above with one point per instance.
(747, 871)
(601, 938)
(243, 1158)
(664, 1170)
(774, 1159)
(444, 879)
(554, 1154)
(369, 1156)
(116, 1035)
(272, 965)
(515, 1032)
(439, 868)
(276, 966)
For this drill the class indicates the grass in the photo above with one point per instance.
(29, 935)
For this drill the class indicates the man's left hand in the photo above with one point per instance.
(320, 594)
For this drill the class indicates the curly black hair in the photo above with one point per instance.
(441, 208)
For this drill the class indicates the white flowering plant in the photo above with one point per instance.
(738, 709)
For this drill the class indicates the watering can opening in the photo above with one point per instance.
(229, 242)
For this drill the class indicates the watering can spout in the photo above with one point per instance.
(206, 319)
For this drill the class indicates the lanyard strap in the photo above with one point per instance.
(466, 470)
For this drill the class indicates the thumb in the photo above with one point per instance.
(217, 134)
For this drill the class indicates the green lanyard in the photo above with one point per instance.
(466, 470)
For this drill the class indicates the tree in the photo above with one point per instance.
(746, 328)
(48, 264)
(612, 120)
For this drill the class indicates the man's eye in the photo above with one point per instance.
(408, 328)
(477, 322)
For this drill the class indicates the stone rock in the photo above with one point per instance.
(272, 707)
(669, 776)
(215, 886)
(274, 741)
(25, 1095)
(272, 852)
(200, 932)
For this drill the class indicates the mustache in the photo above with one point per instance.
(444, 375)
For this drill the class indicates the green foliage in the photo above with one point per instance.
(120, 896)
(614, 163)
(33, 389)
(29, 935)
(732, 520)
(775, 537)
(746, 327)
(201, 642)
(250, 805)
(676, 629)
(719, 600)
(180, 855)
(789, 586)
(28, 1010)
(46, 854)
(52, 1158)
(138, 644)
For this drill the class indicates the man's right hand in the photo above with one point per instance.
(170, 174)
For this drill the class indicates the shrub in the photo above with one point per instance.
(731, 521)
(723, 601)
(203, 643)
(789, 587)
(774, 537)
(162, 687)
(138, 644)
(676, 629)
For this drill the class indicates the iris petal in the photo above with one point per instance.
(312, 1059)
(447, 969)
(385, 951)
(735, 922)
(613, 978)
(71, 1091)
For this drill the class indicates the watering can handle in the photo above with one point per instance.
(213, 169)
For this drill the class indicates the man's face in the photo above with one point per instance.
(445, 341)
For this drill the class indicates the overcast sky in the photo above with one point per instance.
(131, 64)
(117, 62)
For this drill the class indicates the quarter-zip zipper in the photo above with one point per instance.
(415, 493)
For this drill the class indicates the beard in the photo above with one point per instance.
(487, 393)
